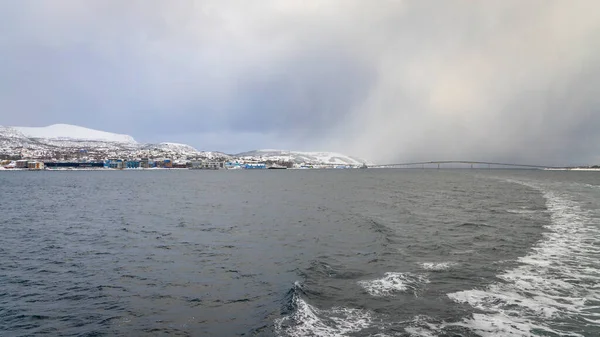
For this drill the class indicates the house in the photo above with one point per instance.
(132, 164)
(207, 165)
(35, 165)
(163, 163)
(180, 164)
(22, 164)
(114, 164)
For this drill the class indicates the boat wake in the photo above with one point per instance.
(304, 319)
(393, 283)
(438, 266)
(555, 290)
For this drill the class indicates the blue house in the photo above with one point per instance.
(113, 164)
(233, 165)
(253, 166)
(132, 164)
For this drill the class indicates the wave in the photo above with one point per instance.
(438, 266)
(422, 326)
(472, 224)
(463, 252)
(303, 319)
(393, 283)
(588, 185)
(555, 285)
(321, 269)
(522, 211)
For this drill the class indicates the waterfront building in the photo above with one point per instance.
(35, 165)
(207, 165)
(132, 164)
(253, 166)
(114, 164)
(22, 164)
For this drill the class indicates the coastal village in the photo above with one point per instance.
(123, 164)
(69, 147)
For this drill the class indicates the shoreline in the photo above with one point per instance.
(579, 169)
(588, 169)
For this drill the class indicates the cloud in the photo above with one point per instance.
(390, 81)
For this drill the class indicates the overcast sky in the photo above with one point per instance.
(386, 80)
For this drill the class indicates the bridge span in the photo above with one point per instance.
(473, 164)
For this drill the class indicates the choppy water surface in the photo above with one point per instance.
(300, 253)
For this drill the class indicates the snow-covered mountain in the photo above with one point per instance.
(298, 157)
(70, 142)
(73, 132)
(62, 141)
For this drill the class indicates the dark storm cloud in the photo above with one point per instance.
(390, 81)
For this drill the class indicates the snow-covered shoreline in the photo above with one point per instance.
(585, 169)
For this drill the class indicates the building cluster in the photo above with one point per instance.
(163, 163)
(123, 164)
(147, 163)
(23, 164)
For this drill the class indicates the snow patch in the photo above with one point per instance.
(73, 132)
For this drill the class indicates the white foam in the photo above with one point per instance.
(463, 252)
(438, 266)
(591, 186)
(393, 283)
(498, 324)
(419, 332)
(556, 279)
(521, 211)
(308, 320)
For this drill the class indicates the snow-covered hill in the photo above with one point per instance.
(298, 157)
(171, 147)
(73, 132)
(62, 141)
(13, 142)
(11, 133)
(183, 150)
(70, 142)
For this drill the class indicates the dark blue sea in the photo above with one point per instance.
(375, 252)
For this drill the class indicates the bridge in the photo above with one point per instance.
(473, 164)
